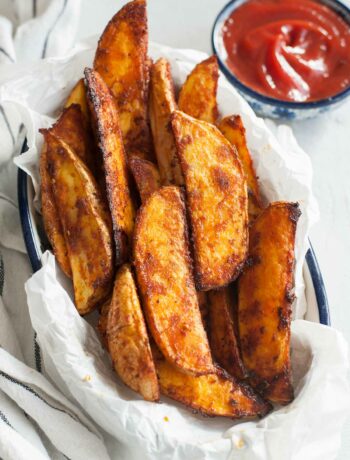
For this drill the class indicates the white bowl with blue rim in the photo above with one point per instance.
(264, 105)
(36, 244)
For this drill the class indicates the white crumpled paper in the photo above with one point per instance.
(308, 428)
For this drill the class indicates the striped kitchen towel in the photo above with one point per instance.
(36, 420)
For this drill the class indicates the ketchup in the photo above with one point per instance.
(294, 50)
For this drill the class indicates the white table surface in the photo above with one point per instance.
(187, 24)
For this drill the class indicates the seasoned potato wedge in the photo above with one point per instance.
(232, 128)
(264, 303)
(146, 176)
(71, 128)
(102, 321)
(86, 233)
(198, 94)
(121, 60)
(216, 194)
(78, 96)
(127, 338)
(212, 394)
(110, 143)
(163, 268)
(52, 223)
(223, 330)
(162, 104)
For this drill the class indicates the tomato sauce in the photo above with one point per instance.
(294, 50)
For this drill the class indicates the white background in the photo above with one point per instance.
(187, 24)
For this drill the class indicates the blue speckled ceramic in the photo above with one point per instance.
(264, 105)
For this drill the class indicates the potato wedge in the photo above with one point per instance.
(162, 104)
(222, 331)
(71, 128)
(127, 338)
(232, 128)
(121, 60)
(78, 96)
(146, 176)
(104, 117)
(216, 194)
(86, 233)
(52, 223)
(211, 394)
(102, 321)
(198, 94)
(163, 269)
(264, 301)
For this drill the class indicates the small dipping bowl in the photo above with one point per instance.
(268, 106)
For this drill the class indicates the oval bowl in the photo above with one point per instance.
(264, 105)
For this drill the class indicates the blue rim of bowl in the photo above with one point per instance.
(35, 260)
(335, 5)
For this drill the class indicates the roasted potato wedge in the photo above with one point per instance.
(163, 268)
(102, 321)
(86, 233)
(162, 104)
(232, 128)
(52, 223)
(71, 128)
(216, 194)
(222, 331)
(198, 94)
(104, 118)
(78, 96)
(121, 60)
(264, 301)
(127, 338)
(212, 394)
(146, 176)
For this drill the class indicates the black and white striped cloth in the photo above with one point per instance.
(36, 420)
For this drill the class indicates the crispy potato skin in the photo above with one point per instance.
(222, 332)
(232, 128)
(86, 234)
(212, 394)
(162, 104)
(71, 128)
(198, 94)
(52, 223)
(78, 96)
(121, 60)
(163, 268)
(265, 298)
(216, 194)
(146, 176)
(110, 143)
(127, 338)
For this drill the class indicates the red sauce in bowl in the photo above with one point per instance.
(293, 50)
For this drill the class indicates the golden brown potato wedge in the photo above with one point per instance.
(127, 338)
(71, 128)
(211, 394)
(264, 301)
(216, 194)
(104, 118)
(52, 223)
(232, 128)
(223, 332)
(198, 94)
(78, 96)
(163, 268)
(121, 60)
(146, 176)
(86, 233)
(162, 104)
(203, 307)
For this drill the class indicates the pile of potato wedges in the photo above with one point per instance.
(152, 206)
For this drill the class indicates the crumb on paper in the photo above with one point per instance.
(166, 419)
(87, 378)
(239, 443)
